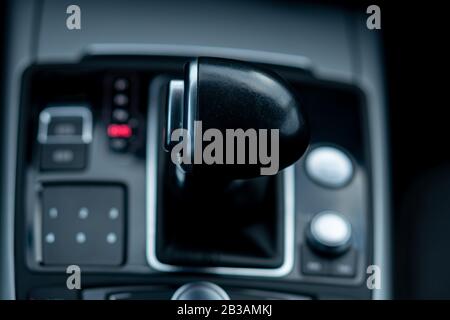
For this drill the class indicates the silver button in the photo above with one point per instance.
(53, 213)
(111, 238)
(113, 213)
(50, 238)
(83, 213)
(331, 229)
(80, 237)
(329, 166)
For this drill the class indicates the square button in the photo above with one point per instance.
(65, 126)
(344, 266)
(83, 225)
(63, 156)
(313, 264)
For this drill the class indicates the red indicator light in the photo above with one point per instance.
(119, 131)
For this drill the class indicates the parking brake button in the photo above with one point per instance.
(64, 133)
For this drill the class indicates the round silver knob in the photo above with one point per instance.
(200, 291)
(329, 166)
(330, 232)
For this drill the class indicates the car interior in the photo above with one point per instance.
(223, 150)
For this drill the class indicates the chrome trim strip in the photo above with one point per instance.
(192, 94)
(37, 235)
(151, 192)
(170, 50)
(175, 105)
(370, 78)
(24, 17)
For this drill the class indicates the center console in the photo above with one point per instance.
(96, 189)
(90, 184)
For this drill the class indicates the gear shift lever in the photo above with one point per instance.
(234, 97)
(210, 214)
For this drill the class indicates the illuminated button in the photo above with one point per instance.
(329, 166)
(119, 131)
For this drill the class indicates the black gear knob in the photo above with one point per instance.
(233, 119)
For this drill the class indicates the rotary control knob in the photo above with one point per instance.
(200, 291)
(329, 233)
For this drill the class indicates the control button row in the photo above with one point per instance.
(313, 264)
(83, 213)
(119, 130)
(120, 98)
(81, 238)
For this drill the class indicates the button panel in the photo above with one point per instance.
(120, 128)
(313, 264)
(83, 225)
